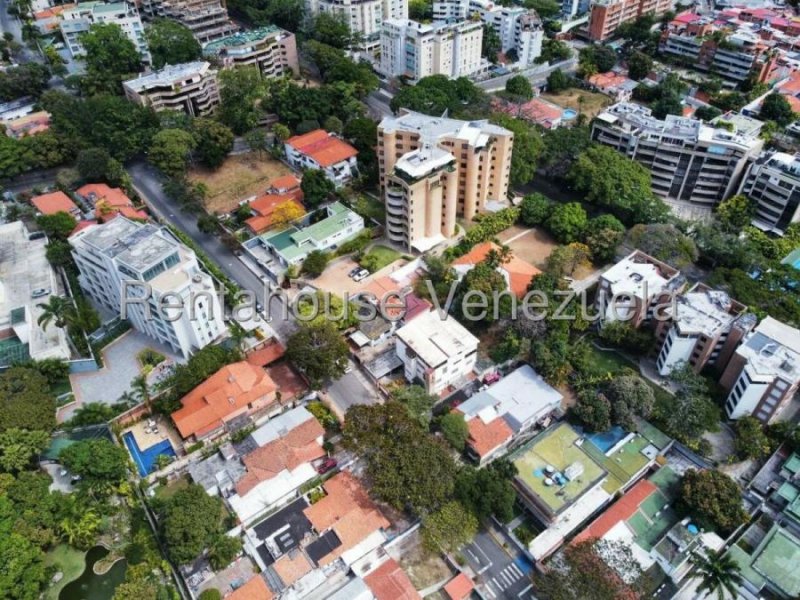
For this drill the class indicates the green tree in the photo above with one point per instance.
(18, 447)
(545, 8)
(558, 81)
(223, 550)
(211, 594)
(26, 401)
(629, 396)
(553, 51)
(203, 363)
(190, 522)
(287, 14)
(420, 10)
(213, 141)
(96, 461)
(57, 226)
(603, 235)
(713, 499)
(333, 30)
(139, 589)
(454, 429)
(315, 263)
(29, 79)
(333, 124)
(171, 43)
(600, 58)
(719, 573)
(639, 65)
(316, 186)
(23, 575)
(565, 260)
(736, 212)
(417, 401)
(240, 90)
(448, 528)
(593, 410)
(751, 441)
(281, 132)
(435, 94)
(171, 151)
(535, 209)
(777, 108)
(488, 491)
(664, 242)
(527, 148)
(256, 140)
(519, 86)
(57, 310)
(567, 222)
(319, 352)
(508, 348)
(96, 164)
(110, 58)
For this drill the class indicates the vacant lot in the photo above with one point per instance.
(532, 245)
(588, 103)
(240, 177)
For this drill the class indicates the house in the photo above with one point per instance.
(517, 272)
(31, 124)
(613, 84)
(507, 408)
(768, 569)
(109, 202)
(235, 390)
(255, 589)
(438, 352)
(536, 110)
(319, 149)
(388, 581)
(281, 190)
(459, 587)
(292, 245)
(55, 202)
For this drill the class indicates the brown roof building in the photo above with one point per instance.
(55, 202)
(390, 582)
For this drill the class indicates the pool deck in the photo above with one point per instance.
(165, 432)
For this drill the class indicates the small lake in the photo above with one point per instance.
(90, 586)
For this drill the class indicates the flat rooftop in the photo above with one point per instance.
(703, 312)
(476, 133)
(134, 244)
(637, 276)
(240, 39)
(777, 559)
(772, 350)
(435, 339)
(169, 75)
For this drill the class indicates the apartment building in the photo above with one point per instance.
(689, 161)
(773, 182)
(764, 373)
(123, 259)
(362, 16)
(207, 19)
(189, 87)
(705, 328)
(572, 8)
(434, 169)
(416, 50)
(607, 15)
(272, 49)
(323, 151)
(632, 289)
(436, 352)
(77, 20)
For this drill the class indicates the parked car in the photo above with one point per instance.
(362, 274)
(491, 378)
(327, 464)
(354, 272)
(39, 292)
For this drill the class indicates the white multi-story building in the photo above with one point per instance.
(439, 352)
(188, 87)
(416, 50)
(764, 373)
(124, 264)
(690, 162)
(271, 49)
(77, 21)
(363, 16)
(773, 181)
(518, 28)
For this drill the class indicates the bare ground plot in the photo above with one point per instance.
(423, 568)
(532, 245)
(591, 104)
(239, 177)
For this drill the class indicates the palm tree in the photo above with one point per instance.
(58, 310)
(719, 573)
(140, 389)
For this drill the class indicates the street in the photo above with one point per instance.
(499, 575)
(537, 75)
(350, 389)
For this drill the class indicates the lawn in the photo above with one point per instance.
(62, 386)
(583, 101)
(608, 361)
(369, 208)
(68, 561)
(240, 177)
(378, 257)
(165, 492)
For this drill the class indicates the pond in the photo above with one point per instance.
(90, 586)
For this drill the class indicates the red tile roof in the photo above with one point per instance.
(519, 272)
(607, 80)
(255, 589)
(284, 184)
(291, 567)
(390, 582)
(83, 225)
(485, 437)
(324, 148)
(286, 453)
(55, 202)
(225, 393)
(459, 587)
(266, 355)
(101, 192)
(622, 510)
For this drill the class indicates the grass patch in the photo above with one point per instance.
(378, 257)
(583, 101)
(165, 492)
(609, 361)
(62, 386)
(68, 561)
(369, 208)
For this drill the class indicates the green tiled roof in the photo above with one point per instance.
(792, 463)
(238, 39)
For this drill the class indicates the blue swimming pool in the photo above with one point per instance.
(605, 440)
(145, 459)
(568, 114)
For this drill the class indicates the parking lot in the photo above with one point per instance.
(500, 575)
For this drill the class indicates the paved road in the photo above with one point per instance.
(147, 181)
(11, 24)
(500, 576)
(537, 75)
(378, 104)
(351, 389)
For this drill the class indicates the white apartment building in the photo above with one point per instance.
(518, 28)
(189, 87)
(773, 181)
(416, 50)
(122, 259)
(363, 16)
(77, 20)
(764, 373)
(690, 162)
(704, 329)
(438, 352)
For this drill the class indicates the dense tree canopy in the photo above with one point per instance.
(317, 188)
(488, 491)
(437, 93)
(29, 79)
(191, 521)
(417, 401)
(319, 352)
(288, 14)
(736, 212)
(567, 222)
(448, 528)
(18, 447)
(751, 440)
(96, 461)
(240, 92)
(213, 141)
(454, 429)
(519, 86)
(171, 150)
(713, 499)
(527, 148)
(777, 108)
(664, 242)
(26, 401)
(171, 43)
(639, 65)
(111, 57)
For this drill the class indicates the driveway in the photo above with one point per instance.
(351, 389)
(500, 575)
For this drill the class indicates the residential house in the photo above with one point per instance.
(388, 581)
(56, 202)
(324, 151)
(281, 190)
(30, 124)
(613, 84)
(517, 272)
(109, 202)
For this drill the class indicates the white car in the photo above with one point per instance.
(362, 274)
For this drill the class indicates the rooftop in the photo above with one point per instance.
(435, 339)
(256, 587)
(423, 161)
(54, 202)
(517, 272)
(773, 349)
(775, 560)
(167, 76)
(704, 311)
(326, 149)
(475, 133)
(639, 275)
(390, 582)
(240, 39)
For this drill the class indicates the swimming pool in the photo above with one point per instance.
(145, 459)
(568, 114)
(605, 440)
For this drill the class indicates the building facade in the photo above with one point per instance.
(706, 327)
(189, 87)
(764, 373)
(123, 260)
(323, 151)
(416, 50)
(607, 15)
(207, 19)
(362, 16)
(689, 162)
(773, 182)
(271, 49)
(77, 21)
(433, 170)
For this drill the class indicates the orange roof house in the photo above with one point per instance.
(485, 438)
(349, 513)
(31, 124)
(284, 184)
(292, 566)
(322, 148)
(234, 390)
(109, 202)
(55, 202)
(622, 510)
(517, 272)
(390, 582)
(281, 189)
(255, 589)
(459, 587)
